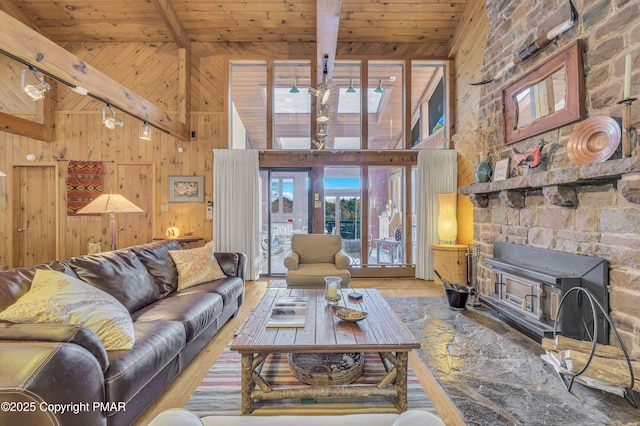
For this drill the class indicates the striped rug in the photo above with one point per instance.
(220, 391)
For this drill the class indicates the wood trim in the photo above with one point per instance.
(314, 158)
(28, 46)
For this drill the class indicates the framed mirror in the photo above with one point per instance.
(547, 97)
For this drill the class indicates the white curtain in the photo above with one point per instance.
(236, 196)
(437, 172)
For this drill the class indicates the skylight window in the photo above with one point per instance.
(349, 103)
(285, 102)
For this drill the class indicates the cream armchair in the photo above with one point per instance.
(313, 257)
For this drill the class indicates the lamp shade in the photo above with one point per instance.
(447, 223)
(2, 174)
(110, 203)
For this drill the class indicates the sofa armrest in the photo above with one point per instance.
(292, 261)
(61, 333)
(41, 377)
(232, 264)
(342, 260)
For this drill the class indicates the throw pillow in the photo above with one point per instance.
(196, 266)
(55, 297)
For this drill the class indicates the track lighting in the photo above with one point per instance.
(110, 122)
(379, 89)
(322, 94)
(351, 89)
(145, 131)
(294, 89)
(323, 117)
(35, 92)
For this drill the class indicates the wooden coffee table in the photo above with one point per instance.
(381, 332)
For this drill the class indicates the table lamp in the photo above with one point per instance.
(447, 224)
(112, 204)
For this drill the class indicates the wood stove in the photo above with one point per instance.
(528, 284)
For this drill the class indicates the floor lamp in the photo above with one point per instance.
(112, 204)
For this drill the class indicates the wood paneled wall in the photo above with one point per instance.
(150, 70)
(469, 58)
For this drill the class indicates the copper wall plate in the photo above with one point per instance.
(594, 140)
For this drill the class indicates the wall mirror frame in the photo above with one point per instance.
(566, 62)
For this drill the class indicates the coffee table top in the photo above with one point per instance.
(381, 331)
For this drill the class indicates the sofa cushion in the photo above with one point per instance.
(157, 344)
(196, 311)
(314, 248)
(16, 282)
(55, 297)
(230, 288)
(119, 273)
(196, 266)
(155, 257)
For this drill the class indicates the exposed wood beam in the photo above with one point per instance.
(327, 24)
(172, 21)
(25, 44)
(182, 40)
(43, 128)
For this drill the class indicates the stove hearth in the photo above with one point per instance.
(528, 284)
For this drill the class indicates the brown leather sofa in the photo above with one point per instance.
(46, 368)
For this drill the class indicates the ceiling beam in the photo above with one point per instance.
(172, 21)
(182, 40)
(327, 24)
(26, 45)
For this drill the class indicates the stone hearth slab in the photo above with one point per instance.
(494, 375)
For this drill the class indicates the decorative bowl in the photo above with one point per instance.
(348, 315)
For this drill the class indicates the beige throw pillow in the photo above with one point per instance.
(196, 266)
(58, 298)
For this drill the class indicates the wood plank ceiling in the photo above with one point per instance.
(428, 22)
(372, 21)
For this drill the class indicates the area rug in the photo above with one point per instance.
(219, 393)
(277, 284)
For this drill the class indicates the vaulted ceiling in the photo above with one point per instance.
(425, 21)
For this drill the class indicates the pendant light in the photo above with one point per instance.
(294, 89)
(351, 89)
(379, 89)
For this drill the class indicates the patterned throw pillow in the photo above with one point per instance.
(196, 266)
(58, 298)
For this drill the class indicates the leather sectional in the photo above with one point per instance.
(55, 367)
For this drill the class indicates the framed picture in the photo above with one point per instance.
(186, 189)
(501, 169)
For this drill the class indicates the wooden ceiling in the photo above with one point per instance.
(373, 21)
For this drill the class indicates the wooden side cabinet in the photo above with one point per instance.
(450, 260)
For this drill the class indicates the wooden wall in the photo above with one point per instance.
(468, 52)
(150, 70)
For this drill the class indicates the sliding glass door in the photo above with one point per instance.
(285, 210)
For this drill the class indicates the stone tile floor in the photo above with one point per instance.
(494, 375)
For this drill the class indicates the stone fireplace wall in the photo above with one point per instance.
(598, 218)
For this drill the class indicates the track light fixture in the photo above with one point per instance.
(322, 94)
(379, 89)
(145, 131)
(323, 117)
(35, 92)
(110, 122)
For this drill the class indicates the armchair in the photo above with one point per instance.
(313, 257)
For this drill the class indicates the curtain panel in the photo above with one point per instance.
(437, 172)
(236, 205)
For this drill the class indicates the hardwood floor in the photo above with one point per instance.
(178, 393)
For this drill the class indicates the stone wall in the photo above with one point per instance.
(600, 221)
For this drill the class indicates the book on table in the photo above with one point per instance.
(288, 312)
